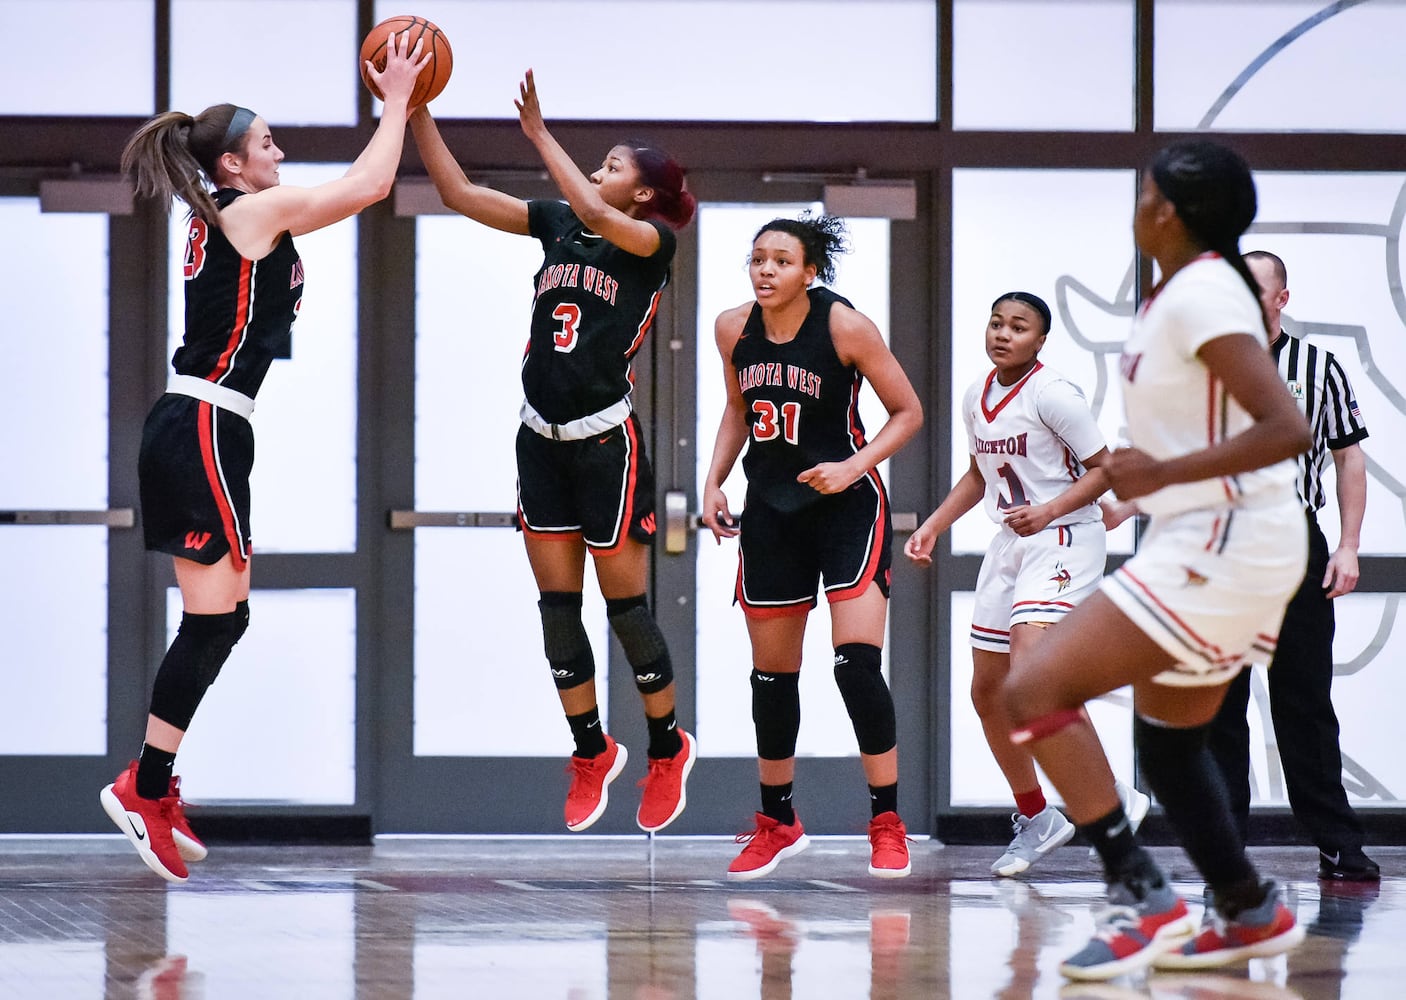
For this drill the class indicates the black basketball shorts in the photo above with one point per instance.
(600, 488)
(193, 473)
(844, 539)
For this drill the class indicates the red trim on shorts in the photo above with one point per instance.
(205, 421)
(991, 631)
(871, 567)
(767, 611)
(779, 611)
(1043, 604)
(1219, 658)
(631, 479)
(546, 536)
(241, 320)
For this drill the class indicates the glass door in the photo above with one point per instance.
(487, 728)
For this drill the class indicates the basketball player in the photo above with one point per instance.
(1035, 451)
(1213, 432)
(244, 282)
(1301, 674)
(793, 362)
(584, 480)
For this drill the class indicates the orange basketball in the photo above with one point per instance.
(436, 72)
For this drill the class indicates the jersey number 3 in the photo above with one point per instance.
(568, 314)
(195, 248)
(767, 426)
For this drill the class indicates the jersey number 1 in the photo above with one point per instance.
(1018, 497)
(767, 426)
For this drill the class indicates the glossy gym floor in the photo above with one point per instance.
(626, 918)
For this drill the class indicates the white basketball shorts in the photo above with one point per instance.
(1210, 587)
(1034, 579)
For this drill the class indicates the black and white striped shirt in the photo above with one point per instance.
(1325, 396)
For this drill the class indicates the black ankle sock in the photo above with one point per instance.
(586, 730)
(664, 738)
(883, 799)
(1123, 858)
(154, 768)
(1232, 900)
(776, 803)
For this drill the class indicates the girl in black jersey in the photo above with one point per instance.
(243, 285)
(793, 363)
(584, 481)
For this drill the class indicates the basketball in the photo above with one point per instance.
(436, 72)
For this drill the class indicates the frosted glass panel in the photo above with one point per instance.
(64, 310)
(1284, 65)
(53, 688)
(724, 654)
(1065, 235)
(1032, 64)
(304, 482)
(705, 65)
(1339, 236)
(53, 580)
(978, 781)
(279, 724)
(48, 79)
(480, 690)
(294, 62)
(1367, 685)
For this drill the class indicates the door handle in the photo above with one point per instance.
(116, 517)
(406, 520)
(679, 521)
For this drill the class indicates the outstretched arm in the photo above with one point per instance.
(254, 223)
(628, 233)
(492, 208)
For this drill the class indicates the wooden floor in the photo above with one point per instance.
(594, 917)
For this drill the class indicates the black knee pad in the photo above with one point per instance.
(776, 713)
(564, 639)
(642, 641)
(201, 646)
(859, 676)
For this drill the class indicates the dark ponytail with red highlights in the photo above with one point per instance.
(672, 203)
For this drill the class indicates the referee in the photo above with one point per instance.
(1301, 673)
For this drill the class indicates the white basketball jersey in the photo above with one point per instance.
(1029, 440)
(1174, 404)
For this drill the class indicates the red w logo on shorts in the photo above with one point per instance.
(197, 539)
(647, 524)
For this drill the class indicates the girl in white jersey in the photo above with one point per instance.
(1213, 429)
(1035, 449)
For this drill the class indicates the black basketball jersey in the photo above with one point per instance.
(802, 404)
(239, 312)
(593, 305)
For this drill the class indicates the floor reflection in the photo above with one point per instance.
(590, 918)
